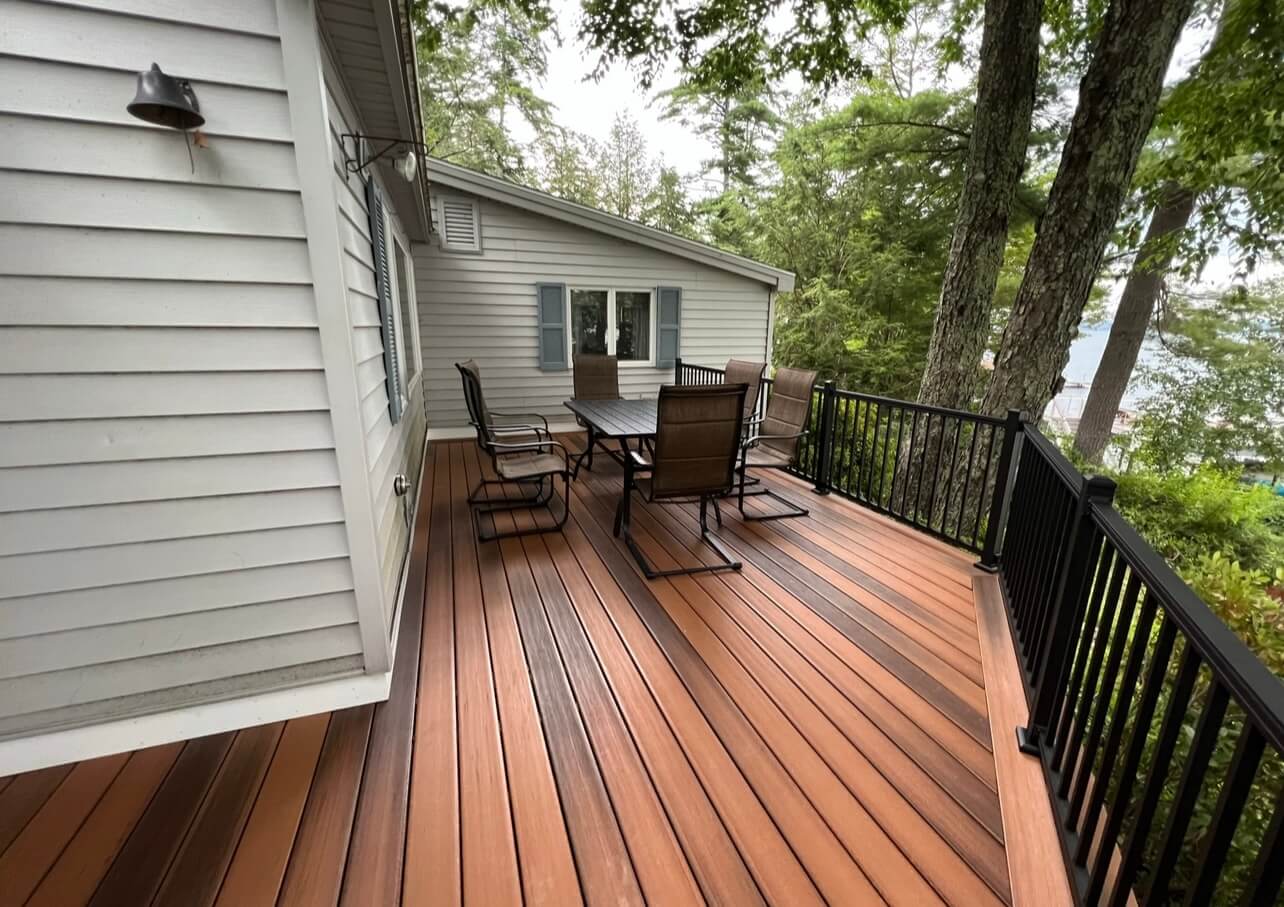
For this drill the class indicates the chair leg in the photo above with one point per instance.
(543, 500)
(648, 570)
(793, 510)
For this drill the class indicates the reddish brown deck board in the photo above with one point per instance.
(893, 786)
(490, 872)
(84, 861)
(22, 799)
(30, 856)
(258, 867)
(547, 868)
(814, 726)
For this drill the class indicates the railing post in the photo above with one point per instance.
(825, 437)
(1012, 428)
(677, 371)
(1067, 612)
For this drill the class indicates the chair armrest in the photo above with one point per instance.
(639, 463)
(541, 418)
(752, 440)
(528, 447)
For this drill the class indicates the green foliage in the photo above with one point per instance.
(1220, 132)
(725, 43)
(862, 210)
(478, 69)
(626, 170)
(1217, 393)
(739, 123)
(568, 169)
(1186, 517)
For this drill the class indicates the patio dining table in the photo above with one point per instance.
(618, 420)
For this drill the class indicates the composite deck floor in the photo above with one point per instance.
(812, 729)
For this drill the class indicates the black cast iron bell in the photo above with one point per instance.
(166, 101)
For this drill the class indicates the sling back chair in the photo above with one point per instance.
(773, 441)
(740, 371)
(522, 454)
(596, 377)
(696, 442)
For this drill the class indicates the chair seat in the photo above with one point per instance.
(529, 466)
(766, 456)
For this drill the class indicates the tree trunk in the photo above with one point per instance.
(1128, 330)
(1117, 100)
(996, 157)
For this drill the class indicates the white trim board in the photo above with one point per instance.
(26, 754)
(461, 178)
(305, 86)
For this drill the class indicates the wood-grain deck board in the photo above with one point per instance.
(560, 731)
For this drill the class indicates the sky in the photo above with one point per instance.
(589, 107)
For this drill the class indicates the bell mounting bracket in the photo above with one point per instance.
(358, 157)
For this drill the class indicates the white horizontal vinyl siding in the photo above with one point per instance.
(390, 449)
(171, 526)
(482, 306)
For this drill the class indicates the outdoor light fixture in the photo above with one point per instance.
(166, 101)
(404, 153)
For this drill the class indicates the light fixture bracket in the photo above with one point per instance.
(357, 148)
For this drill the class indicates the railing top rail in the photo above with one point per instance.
(922, 407)
(1056, 459)
(1258, 691)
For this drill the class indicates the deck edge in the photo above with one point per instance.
(1035, 866)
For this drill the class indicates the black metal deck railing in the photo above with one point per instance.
(1160, 733)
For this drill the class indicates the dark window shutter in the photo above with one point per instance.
(669, 326)
(383, 287)
(551, 298)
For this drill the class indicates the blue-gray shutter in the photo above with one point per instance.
(551, 299)
(669, 326)
(383, 288)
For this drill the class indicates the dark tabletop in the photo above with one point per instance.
(617, 418)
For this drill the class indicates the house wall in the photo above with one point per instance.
(390, 449)
(171, 524)
(482, 306)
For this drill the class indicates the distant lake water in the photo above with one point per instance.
(1085, 355)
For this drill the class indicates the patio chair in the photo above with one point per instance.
(696, 443)
(773, 441)
(595, 377)
(522, 454)
(740, 371)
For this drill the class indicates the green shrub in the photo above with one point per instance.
(1188, 516)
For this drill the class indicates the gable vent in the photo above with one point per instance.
(459, 225)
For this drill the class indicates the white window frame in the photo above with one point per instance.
(611, 321)
(439, 212)
(407, 341)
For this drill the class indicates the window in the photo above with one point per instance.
(614, 322)
(408, 348)
(459, 223)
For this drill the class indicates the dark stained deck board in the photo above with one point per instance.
(197, 871)
(547, 866)
(30, 856)
(834, 775)
(377, 847)
(602, 858)
(432, 876)
(488, 849)
(22, 799)
(880, 696)
(865, 756)
(812, 727)
(258, 867)
(321, 842)
(86, 858)
(140, 867)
